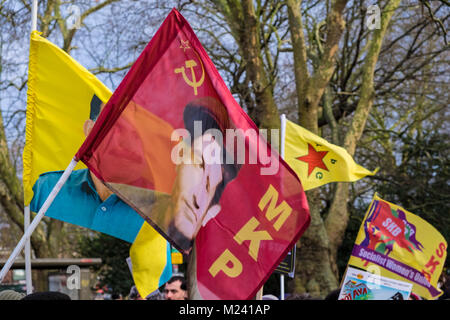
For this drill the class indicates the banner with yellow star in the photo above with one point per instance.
(316, 161)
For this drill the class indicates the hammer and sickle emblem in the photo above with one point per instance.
(190, 64)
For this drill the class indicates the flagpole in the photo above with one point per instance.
(38, 218)
(27, 217)
(283, 134)
(34, 8)
(28, 277)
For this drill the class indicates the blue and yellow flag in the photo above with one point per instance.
(61, 96)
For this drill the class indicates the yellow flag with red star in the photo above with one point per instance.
(316, 161)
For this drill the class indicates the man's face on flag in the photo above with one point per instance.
(195, 187)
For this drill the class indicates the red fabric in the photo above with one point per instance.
(130, 144)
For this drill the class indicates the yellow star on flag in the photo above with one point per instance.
(185, 45)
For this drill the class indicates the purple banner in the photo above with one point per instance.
(394, 266)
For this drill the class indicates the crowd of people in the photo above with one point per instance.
(176, 289)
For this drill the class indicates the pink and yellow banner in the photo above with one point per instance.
(402, 245)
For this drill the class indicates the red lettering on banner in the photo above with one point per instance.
(441, 250)
(432, 264)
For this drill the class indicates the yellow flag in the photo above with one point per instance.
(151, 268)
(398, 244)
(316, 161)
(59, 96)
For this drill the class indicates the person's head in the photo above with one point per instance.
(175, 289)
(116, 296)
(200, 183)
(134, 294)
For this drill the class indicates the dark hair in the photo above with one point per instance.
(47, 295)
(95, 108)
(213, 115)
(179, 278)
(134, 293)
(211, 112)
(115, 296)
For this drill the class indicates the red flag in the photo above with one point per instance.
(174, 105)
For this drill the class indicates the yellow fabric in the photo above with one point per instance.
(340, 165)
(147, 263)
(59, 94)
(429, 260)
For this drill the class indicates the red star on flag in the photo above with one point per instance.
(314, 159)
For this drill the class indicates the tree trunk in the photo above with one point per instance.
(266, 115)
(338, 215)
(313, 272)
(11, 194)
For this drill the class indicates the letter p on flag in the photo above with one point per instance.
(227, 263)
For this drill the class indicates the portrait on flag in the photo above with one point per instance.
(402, 246)
(199, 183)
(162, 144)
(84, 200)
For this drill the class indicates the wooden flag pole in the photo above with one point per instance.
(38, 218)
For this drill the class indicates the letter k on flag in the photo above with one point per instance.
(318, 162)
